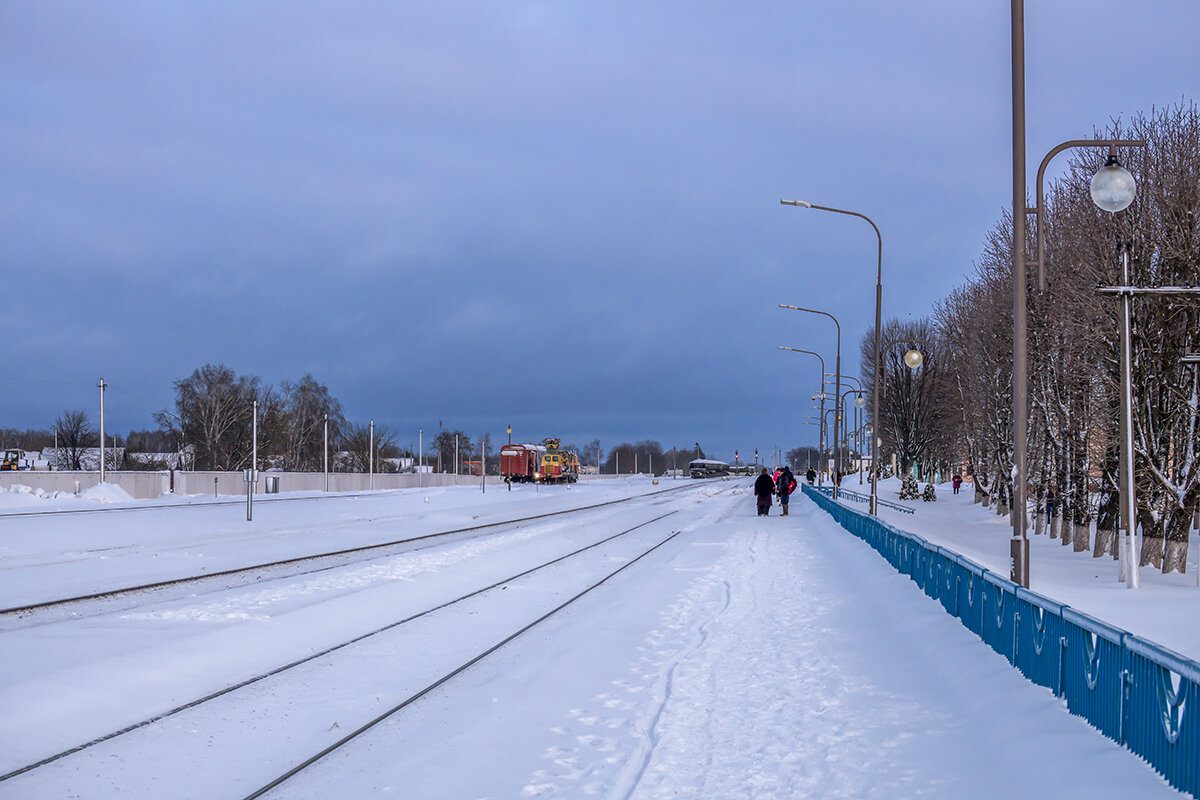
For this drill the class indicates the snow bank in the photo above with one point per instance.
(106, 493)
(20, 496)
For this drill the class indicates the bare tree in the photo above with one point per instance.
(443, 446)
(1073, 347)
(357, 442)
(304, 406)
(75, 434)
(214, 413)
(914, 411)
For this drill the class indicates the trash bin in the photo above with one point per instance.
(272, 484)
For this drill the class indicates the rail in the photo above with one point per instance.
(256, 572)
(858, 497)
(1138, 693)
(352, 641)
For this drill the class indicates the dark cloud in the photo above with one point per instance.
(565, 214)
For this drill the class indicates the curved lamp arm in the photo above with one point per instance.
(1111, 144)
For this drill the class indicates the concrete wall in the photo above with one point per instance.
(233, 483)
(142, 485)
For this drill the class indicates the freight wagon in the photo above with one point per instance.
(520, 463)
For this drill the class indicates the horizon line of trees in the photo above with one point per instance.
(212, 422)
(956, 409)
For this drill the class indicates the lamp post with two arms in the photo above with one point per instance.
(821, 396)
(1112, 189)
(874, 507)
(837, 391)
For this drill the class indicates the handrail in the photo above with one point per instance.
(859, 497)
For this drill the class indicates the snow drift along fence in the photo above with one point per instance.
(1134, 691)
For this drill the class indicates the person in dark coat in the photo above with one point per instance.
(811, 475)
(764, 487)
(785, 484)
(957, 481)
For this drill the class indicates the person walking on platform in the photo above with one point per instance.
(764, 487)
(785, 484)
(811, 475)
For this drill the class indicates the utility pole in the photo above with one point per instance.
(252, 473)
(371, 456)
(326, 452)
(101, 385)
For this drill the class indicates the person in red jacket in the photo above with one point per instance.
(764, 487)
(785, 484)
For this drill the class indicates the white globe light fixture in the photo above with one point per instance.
(913, 359)
(1113, 188)
(860, 402)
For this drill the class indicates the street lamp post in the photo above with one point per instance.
(1126, 292)
(837, 391)
(859, 402)
(1193, 360)
(912, 359)
(1112, 189)
(821, 434)
(820, 423)
(874, 507)
(1019, 545)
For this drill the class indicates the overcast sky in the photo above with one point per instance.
(562, 216)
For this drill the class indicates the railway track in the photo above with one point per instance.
(118, 597)
(408, 701)
(365, 636)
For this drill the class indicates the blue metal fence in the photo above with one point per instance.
(1131, 690)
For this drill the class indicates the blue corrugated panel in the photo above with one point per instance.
(953, 577)
(1162, 698)
(970, 593)
(1040, 641)
(999, 612)
(1093, 673)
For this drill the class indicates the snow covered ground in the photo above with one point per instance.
(1164, 609)
(745, 657)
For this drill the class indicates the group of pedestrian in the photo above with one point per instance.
(766, 487)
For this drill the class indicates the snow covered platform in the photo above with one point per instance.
(747, 657)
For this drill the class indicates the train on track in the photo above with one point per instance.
(707, 468)
(539, 463)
